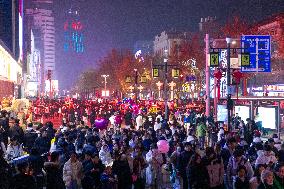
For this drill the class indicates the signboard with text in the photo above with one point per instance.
(259, 48)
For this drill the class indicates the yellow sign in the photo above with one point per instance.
(143, 79)
(128, 79)
(214, 59)
(175, 73)
(186, 87)
(155, 72)
(245, 59)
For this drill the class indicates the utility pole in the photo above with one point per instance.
(165, 66)
(207, 76)
(135, 84)
(229, 100)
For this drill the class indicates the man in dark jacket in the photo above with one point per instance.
(53, 173)
(22, 180)
(29, 137)
(17, 131)
(42, 143)
(183, 162)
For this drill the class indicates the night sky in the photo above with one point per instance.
(120, 23)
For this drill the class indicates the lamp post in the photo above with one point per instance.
(105, 78)
(136, 83)
(229, 100)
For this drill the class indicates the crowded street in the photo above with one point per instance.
(125, 94)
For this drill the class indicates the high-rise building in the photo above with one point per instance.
(43, 20)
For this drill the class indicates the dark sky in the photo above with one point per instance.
(120, 23)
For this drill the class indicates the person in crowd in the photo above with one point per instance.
(17, 131)
(241, 180)
(266, 180)
(255, 181)
(266, 156)
(281, 154)
(14, 149)
(183, 162)
(121, 168)
(108, 179)
(5, 172)
(73, 172)
(53, 173)
(197, 168)
(105, 155)
(201, 132)
(98, 169)
(29, 137)
(23, 179)
(215, 168)
(238, 159)
(278, 182)
(42, 143)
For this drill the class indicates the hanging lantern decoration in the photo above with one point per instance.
(175, 73)
(128, 79)
(143, 79)
(237, 75)
(218, 76)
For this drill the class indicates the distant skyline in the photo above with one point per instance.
(112, 24)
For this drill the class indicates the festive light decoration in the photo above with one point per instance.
(73, 36)
(237, 75)
(218, 76)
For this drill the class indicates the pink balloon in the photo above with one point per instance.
(163, 146)
(101, 124)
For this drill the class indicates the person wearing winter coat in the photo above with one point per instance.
(42, 143)
(266, 156)
(29, 137)
(278, 182)
(105, 155)
(53, 173)
(108, 179)
(255, 181)
(241, 181)
(235, 162)
(73, 172)
(215, 169)
(14, 149)
(121, 168)
(266, 180)
(17, 131)
(23, 179)
(197, 173)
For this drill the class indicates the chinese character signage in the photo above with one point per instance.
(175, 73)
(73, 36)
(214, 59)
(155, 72)
(259, 48)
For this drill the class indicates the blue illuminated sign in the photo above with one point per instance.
(259, 48)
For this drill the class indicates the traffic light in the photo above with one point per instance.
(49, 75)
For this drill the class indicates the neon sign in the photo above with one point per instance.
(73, 36)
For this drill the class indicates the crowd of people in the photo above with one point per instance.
(125, 153)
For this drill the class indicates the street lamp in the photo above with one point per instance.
(105, 77)
(159, 84)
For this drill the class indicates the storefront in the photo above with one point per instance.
(10, 74)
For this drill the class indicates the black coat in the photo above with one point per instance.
(239, 184)
(122, 170)
(29, 139)
(198, 176)
(23, 181)
(17, 131)
(42, 144)
(53, 176)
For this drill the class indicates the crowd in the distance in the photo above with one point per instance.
(125, 155)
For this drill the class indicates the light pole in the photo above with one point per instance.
(105, 77)
(229, 99)
(136, 83)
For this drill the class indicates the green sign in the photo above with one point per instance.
(214, 59)
(245, 59)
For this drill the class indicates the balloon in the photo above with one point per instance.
(101, 123)
(163, 146)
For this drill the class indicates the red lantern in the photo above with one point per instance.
(218, 76)
(237, 77)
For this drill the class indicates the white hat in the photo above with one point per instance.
(190, 138)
